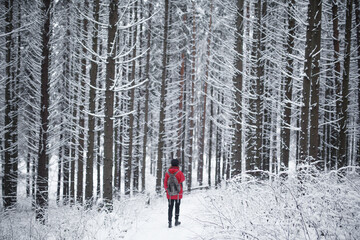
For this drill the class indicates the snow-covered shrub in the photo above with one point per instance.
(65, 222)
(310, 205)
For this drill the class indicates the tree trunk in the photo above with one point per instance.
(192, 113)
(357, 18)
(42, 182)
(59, 163)
(203, 116)
(146, 110)
(161, 139)
(210, 134)
(128, 168)
(260, 85)
(315, 84)
(342, 154)
(238, 83)
(136, 178)
(80, 172)
(337, 69)
(66, 168)
(91, 119)
(218, 144)
(251, 151)
(182, 103)
(288, 86)
(73, 140)
(11, 152)
(304, 132)
(109, 106)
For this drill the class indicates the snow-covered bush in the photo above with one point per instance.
(310, 205)
(74, 222)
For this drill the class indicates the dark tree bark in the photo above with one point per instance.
(357, 19)
(334, 134)
(42, 183)
(80, 172)
(304, 133)
(192, 113)
(315, 84)
(252, 116)
(260, 85)
(162, 103)
(66, 176)
(210, 134)
(130, 163)
(60, 160)
(73, 138)
(203, 116)
(91, 119)
(182, 97)
(109, 106)
(10, 142)
(146, 110)
(238, 83)
(218, 150)
(288, 86)
(342, 154)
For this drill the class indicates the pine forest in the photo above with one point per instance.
(257, 99)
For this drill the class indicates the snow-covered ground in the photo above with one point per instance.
(152, 221)
(309, 206)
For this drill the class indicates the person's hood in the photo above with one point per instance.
(174, 169)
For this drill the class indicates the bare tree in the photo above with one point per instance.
(91, 119)
(162, 102)
(42, 183)
(109, 105)
(342, 154)
(304, 133)
(10, 137)
(288, 85)
(238, 83)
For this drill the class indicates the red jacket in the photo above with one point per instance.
(179, 176)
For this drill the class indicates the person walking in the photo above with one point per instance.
(174, 190)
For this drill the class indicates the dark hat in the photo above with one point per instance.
(175, 162)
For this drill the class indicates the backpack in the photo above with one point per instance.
(173, 184)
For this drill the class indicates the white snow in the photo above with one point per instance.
(152, 221)
(309, 206)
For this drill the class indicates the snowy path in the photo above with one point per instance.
(152, 221)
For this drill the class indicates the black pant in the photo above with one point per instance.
(171, 207)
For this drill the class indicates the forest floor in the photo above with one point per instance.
(152, 221)
(318, 206)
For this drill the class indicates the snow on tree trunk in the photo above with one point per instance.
(109, 106)
(343, 117)
(161, 139)
(42, 181)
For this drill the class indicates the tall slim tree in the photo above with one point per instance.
(315, 82)
(304, 132)
(42, 182)
(11, 150)
(203, 115)
(109, 105)
(357, 19)
(343, 135)
(262, 5)
(238, 83)
(91, 119)
(147, 95)
(80, 173)
(336, 43)
(192, 97)
(288, 85)
(162, 102)
(131, 158)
